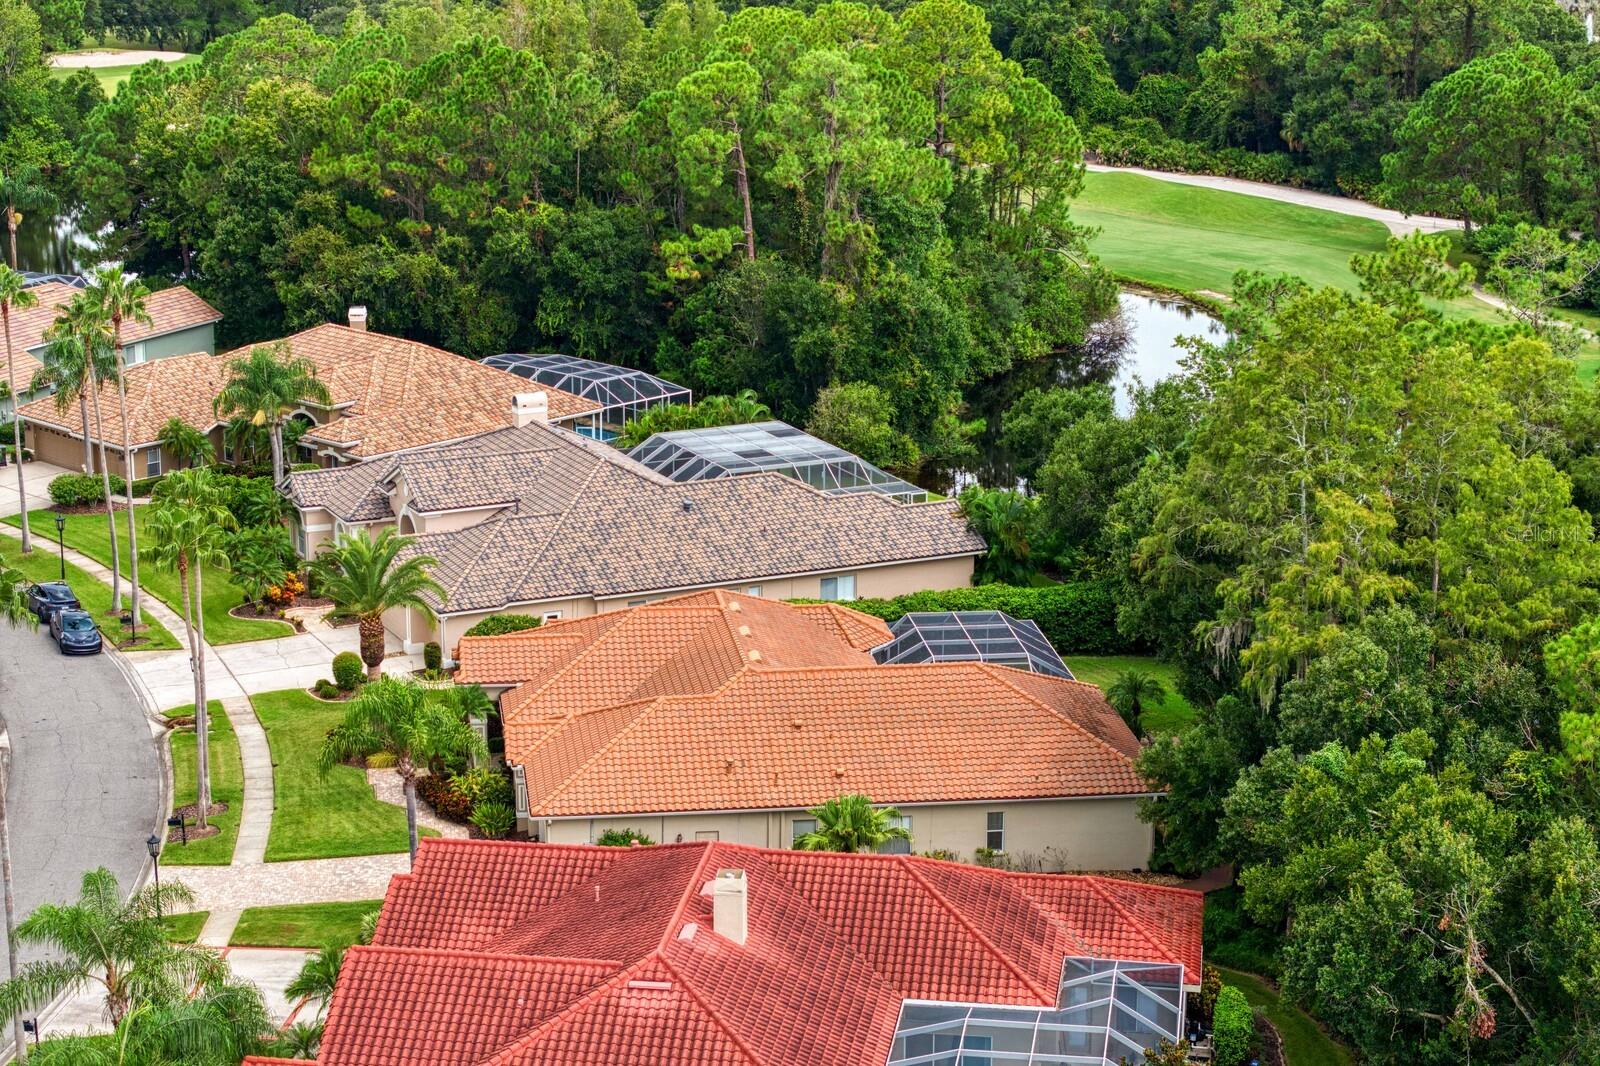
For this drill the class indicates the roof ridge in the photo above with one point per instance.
(1133, 922)
(994, 672)
(494, 956)
(551, 794)
(498, 1056)
(711, 1012)
(535, 556)
(696, 878)
(967, 924)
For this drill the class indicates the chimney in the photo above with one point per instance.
(358, 317)
(730, 906)
(529, 407)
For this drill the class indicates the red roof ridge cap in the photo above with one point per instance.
(711, 1012)
(602, 750)
(994, 672)
(1133, 923)
(495, 956)
(989, 945)
(528, 1038)
(696, 879)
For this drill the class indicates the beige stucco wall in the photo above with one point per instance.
(1086, 834)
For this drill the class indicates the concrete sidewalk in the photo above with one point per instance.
(36, 476)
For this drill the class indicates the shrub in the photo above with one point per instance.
(326, 689)
(382, 760)
(497, 624)
(943, 854)
(482, 785)
(348, 670)
(494, 820)
(1079, 616)
(142, 486)
(82, 490)
(446, 802)
(622, 838)
(432, 656)
(1233, 1028)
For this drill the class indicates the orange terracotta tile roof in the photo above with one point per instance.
(170, 310)
(395, 394)
(181, 386)
(504, 954)
(609, 715)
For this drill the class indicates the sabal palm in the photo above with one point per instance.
(851, 823)
(407, 721)
(120, 299)
(265, 386)
(217, 1027)
(365, 576)
(121, 946)
(187, 524)
(187, 444)
(317, 977)
(301, 1040)
(1130, 693)
(15, 295)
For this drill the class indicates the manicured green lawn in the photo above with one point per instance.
(87, 533)
(302, 925)
(1171, 715)
(317, 817)
(185, 928)
(44, 565)
(111, 77)
(1304, 1042)
(227, 786)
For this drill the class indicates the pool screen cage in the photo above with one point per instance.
(763, 447)
(621, 391)
(971, 636)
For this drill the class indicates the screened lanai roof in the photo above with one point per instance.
(971, 636)
(621, 391)
(761, 447)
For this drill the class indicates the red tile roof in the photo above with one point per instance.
(512, 954)
(609, 716)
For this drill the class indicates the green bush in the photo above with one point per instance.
(348, 670)
(144, 485)
(494, 820)
(326, 689)
(497, 624)
(482, 785)
(441, 794)
(432, 656)
(1233, 1028)
(1076, 617)
(622, 838)
(82, 490)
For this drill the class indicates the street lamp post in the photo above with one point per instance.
(154, 847)
(61, 542)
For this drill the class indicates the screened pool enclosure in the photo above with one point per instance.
(621, 391)
(762, 447)
(1106, 1011)
(971, 636)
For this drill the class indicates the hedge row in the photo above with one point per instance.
(81, 490)
(497, 624)
(1076, 617)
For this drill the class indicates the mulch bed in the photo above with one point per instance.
(1270, 1043)
(86, 508)
(343, 697)
(246, 611)
(188, 813)
(303, 600)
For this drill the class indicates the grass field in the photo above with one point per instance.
(110, 78)
(227, 786)
(302, 925)
(317, 817)
(185, 928)
(1173, 713)
(44, 565)
(1304, 1042)
(87, 533)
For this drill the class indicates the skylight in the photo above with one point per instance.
(971, 636)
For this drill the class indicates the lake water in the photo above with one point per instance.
(52, 244)
(1141, 342)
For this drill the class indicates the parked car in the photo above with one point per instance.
(48, 597)
(75, 633)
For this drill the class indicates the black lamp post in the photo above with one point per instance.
(61, 541)
(154, 846)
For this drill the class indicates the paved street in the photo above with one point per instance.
(37, 476)
(85, 787)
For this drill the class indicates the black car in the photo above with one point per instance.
(75, 632)
(48, 597)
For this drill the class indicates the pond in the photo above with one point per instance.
(53, 244)
(1140, 342)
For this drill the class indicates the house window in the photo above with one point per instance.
(550, 616)
(995, 838)
(637, 603)
(152, 462)
(136, 353)
(753, 590)
(707, 834)
(898, 847)
(802, 826)
(842, 587)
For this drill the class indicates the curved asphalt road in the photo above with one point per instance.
(85, 785)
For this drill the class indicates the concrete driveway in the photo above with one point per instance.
(85, 785)
(37, 476)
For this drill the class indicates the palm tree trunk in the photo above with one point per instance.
(276, 433)
(127, 476)
(105, 480)
(88, 449)
(202, 716)
(409, 776)
(372, 644)
(16, 428)
(19, 1042)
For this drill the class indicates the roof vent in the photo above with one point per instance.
(688, 505)
(744, 631)
(730, 906)
(838, 771)
(358, 317)
(755, 655)
(797, 723)
(654, 986)
(529, 407)
(688, 931)
(733, 607)
(727, 766)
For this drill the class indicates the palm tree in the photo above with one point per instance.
(14, 293)
(264, 387)
(120, 299)
(120, 946)
(22, 188)
(14, 598)
(403, 719)
(301, 1040)
(83, 320)
(14, 612)
(187, 444)
(1006, 520)
(362, 575)
(220, 1025)
(317, 977)
(852, 823)
(186, 533)
(1130, 693)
